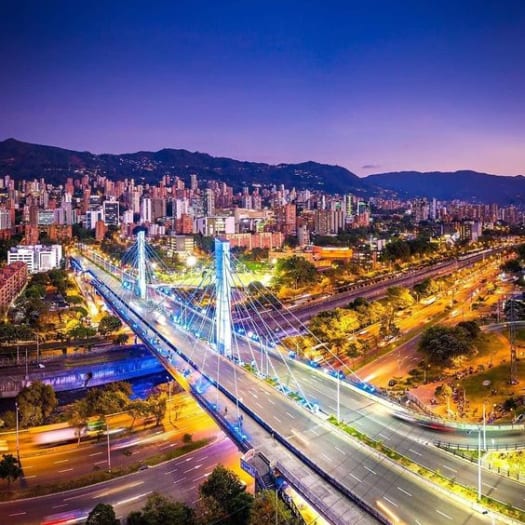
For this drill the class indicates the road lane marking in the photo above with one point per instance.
(65, 470)
(271, 402)
(340, 451)
(96, 454)
(61, 461)
(277, 419)
(133, 498)
(59, 506)
(30, 477)
(258, 404)
(415, 452)
(369, 469)
(17, 514)
(101, 461)
(178, 481)
(404, 491)
(188, 459)
(383, 436)
(355, 477)
(73, 497)
(449, 468)
(290, 415)
(443, 514)
(390, 501)
(325, 456)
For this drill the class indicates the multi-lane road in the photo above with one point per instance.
(373, 478)
(180, 478)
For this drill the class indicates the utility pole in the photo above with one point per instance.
(17, 434)
(109, 448)
(338, 398)
(479, 464)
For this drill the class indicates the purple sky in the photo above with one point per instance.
(373, 86)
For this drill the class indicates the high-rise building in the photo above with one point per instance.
(38, 258)
(111, 213)
(194, 182)
(209, 202)
(145, 210)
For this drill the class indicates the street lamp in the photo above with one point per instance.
(109, 448)
(479, 464)
(338, 398)
(17, 435)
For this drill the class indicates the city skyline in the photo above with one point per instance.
(374, 90)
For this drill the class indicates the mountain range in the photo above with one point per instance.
(23, 160)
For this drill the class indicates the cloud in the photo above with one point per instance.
(370, 166)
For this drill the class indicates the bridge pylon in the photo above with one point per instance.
(223, 312)
(141, 262)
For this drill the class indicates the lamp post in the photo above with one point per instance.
(338, 398)
(484, 430)
(109, 448)
(17, 435)
(479, 464)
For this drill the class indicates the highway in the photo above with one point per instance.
(369, 291)
(371, 477)
(44, 465)
(178, 478)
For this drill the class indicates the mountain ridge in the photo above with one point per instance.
(23, 160)
(467, 185)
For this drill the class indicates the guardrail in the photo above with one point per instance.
(488, 446)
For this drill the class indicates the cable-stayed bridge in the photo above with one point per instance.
(216, 336)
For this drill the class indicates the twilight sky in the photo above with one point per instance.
(370, 85)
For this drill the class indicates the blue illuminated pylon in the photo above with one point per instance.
(141, 262)
(223, 327)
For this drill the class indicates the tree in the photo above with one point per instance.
(137, 408)
(160, 510)
(113, 397)
(102, 514)
(399, 297)
(369, 312)
(268, 509)
(108, 324)
(10, 468)
(426, 287)
(295, 272)
(444, 393)
(156, 404)
(441, 344)
(224, 498)
(335, 327)
(77, 417)
(36, 403)
(471, 328)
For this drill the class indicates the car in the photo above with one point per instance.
(392, 382)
